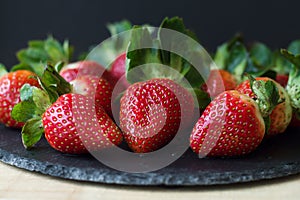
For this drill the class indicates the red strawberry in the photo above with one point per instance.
(282, 113)
(282, 79)
(69, 125)
(95, 87)
(81, 68)
(10, 85)
(117, 71)
(151, 112)
(219, 80)
(231, 125)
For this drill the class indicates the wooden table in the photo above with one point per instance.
(20, 184)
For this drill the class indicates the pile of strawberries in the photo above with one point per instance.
(249, 98)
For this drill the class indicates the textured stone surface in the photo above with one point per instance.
(275, 158)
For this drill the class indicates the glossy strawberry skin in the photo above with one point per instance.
(117, 71)
(218, 81)
(10, 85)
(282, 113)
(69, 126)
(150, 113)
(81, 68)
(231, 125)
(97, 88)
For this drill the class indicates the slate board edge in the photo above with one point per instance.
(146, 179)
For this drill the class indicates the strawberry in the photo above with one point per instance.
(81, 68)
(292, 86)
(231, 125)
(282, 113)
(10, 85)
(98, 88)
(63, 125)
(218, 78)
(282, 79)
(71, 122)
(151, 113)
(117, 71)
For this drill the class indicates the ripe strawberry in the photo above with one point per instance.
(10, 85)
(151, 113)
(117, 71)
(81, 68)
(69, 125)
(97, 88)
(219, 80)
(282, 113)
(231, 125)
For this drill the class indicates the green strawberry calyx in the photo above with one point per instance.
(150, 55)
(40, 52)
(35, 101)
(293, 86)
(237, 58)
(267, 95)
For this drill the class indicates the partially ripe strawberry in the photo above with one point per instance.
(70, 126)
(97, 88)
(282, 113)
(151, 113)
(231, 125)
(219, 80)
(10, 85)
(282, 79)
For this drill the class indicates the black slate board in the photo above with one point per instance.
(277, 157)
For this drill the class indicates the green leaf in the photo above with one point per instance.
(237, 60)
(34, 103)
(176, 24)
(54, 84)
(221, 56)
(280, 64)
(36, 44)
(119, 27)
(261, 55)
(3, 70)
(267, 95)
(23, 111)
(294, 47)
(154, 54)
(26, 92)
(32, 132)
(58, 66)
(54, 50)
(39, 52)
(295, 59)
(293, 86)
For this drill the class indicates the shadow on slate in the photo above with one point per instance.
(277, 157)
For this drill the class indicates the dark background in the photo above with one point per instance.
(83, 21)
